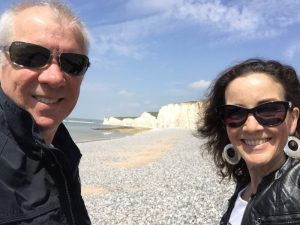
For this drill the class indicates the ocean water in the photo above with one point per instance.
(84, 130)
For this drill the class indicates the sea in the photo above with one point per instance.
(85, 130)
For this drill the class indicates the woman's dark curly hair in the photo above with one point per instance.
(211, 127)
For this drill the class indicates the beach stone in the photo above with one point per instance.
(162, 176)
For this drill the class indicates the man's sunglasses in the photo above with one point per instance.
(35, 56)
(267, 114)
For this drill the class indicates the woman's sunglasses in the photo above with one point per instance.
(267, 114)
(35, 56)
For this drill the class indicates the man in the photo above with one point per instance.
(43, 60)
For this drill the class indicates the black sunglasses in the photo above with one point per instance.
(267, 114)
(35, 56)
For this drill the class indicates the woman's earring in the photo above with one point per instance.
(292, 147)
(230, 155)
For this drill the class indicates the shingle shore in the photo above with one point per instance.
(157, 177)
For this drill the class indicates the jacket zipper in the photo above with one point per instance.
(259, 221)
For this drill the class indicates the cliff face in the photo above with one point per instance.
(111, 121)
(183, 115)
(145, 120)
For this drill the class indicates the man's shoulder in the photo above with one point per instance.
(5, 133)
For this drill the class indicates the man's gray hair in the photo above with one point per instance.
(62, 12)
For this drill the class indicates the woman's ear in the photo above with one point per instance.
(294, 119)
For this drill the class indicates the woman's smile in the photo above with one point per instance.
(255, 142)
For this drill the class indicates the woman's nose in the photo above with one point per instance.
(251, 124)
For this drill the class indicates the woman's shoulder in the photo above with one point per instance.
(290, 171)
(294, 164)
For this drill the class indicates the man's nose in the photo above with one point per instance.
(52, 74)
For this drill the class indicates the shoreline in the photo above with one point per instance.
(125, 129)
(153, 177)
(118, 132)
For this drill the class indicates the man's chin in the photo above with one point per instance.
(47, 123)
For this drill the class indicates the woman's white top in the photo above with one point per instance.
(237, 213)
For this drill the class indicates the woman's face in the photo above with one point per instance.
(260, 146)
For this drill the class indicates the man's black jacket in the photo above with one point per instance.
(39, 183)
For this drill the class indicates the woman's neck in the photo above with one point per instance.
(257, 173)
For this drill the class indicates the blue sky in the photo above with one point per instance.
(149, 53)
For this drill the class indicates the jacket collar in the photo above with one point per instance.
(19, 121)
(289, 163)
(26, 132)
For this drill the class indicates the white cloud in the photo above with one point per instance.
(126, 93)
(292, 50)
(243, 19)
(127, 37)
(152, 6)
(88, 86)
(201, 84)
(273, 13)
(220, 16)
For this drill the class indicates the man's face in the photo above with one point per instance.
(47, 93)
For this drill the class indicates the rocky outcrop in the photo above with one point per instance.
(146, 120)
(181, 115)
(111, 121)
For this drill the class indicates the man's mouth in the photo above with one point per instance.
(47, 100)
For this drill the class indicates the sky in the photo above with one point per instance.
(148, 53)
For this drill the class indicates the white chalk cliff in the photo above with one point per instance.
(177, 115)
(145, 120)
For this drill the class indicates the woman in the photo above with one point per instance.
(254, 140)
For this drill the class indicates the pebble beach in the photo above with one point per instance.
(154, 177)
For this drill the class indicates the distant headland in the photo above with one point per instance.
(176, 115)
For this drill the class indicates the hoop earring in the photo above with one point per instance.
(230, 155)
(292, 147)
